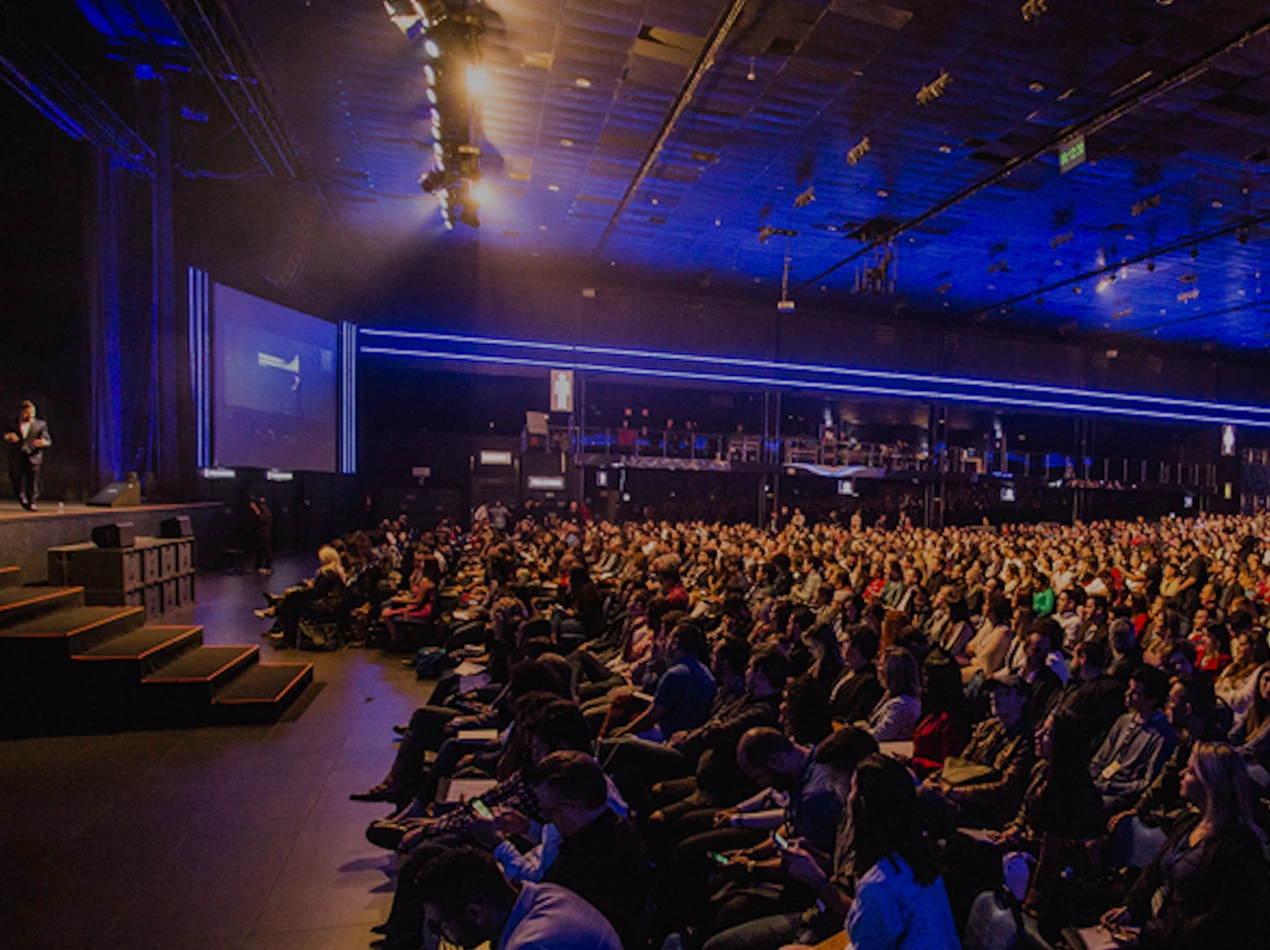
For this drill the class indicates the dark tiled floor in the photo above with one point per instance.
(238, 838)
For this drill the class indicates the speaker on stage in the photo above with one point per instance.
(178, 527)
(119, 535)
(118, 495)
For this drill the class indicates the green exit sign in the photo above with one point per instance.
(1071, 153)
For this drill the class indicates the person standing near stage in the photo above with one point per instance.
(262, 534)
(28, 437)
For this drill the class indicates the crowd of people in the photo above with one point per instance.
(692, 735)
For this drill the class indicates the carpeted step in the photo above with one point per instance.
(145, 650)
(23, 603)
(261, 693)
(76, 629)
(210, 666)
(10, 576)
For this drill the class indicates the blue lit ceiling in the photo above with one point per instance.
(1160, 234)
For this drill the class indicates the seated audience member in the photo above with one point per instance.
(1060, 814)
(1190, 711)
(684, 692)
(900, 902)
(1096, 699)
(322, 595)
(636, 764)
(1251, 733)
(826, 662)
(893, 718)
(595, 851)
(804, 711)
(467, 902)
(984, 785)
(986, 652)
(1138, 745)
(1207, 887)
(828, 878)
(857, 690)
(1212, 654)
(1237, 683)
(1126, 655)
(1044, 685)
(945, 726)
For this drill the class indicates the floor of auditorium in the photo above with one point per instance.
(233, 838)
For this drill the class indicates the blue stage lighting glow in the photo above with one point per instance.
(912, 393)
(934, 386)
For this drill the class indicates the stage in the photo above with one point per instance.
(26, 536)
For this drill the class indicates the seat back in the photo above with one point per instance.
(992, 924)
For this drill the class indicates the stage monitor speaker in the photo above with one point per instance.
(178, 527)
(119, 535)
(118, 495)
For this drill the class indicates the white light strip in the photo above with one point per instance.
(834, 387)
(273, 475)
(219, 473)
(348, 398)
(200, 355)
(1145, 401)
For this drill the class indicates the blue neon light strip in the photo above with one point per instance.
(1002, 399)
(1084, 396)
(199, 303)
(348, 399)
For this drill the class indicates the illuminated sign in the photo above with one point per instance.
(546, 483)
(1228, 439)
(1071, 154)
(489, 457)
(562, 390)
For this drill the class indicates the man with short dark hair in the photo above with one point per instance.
(468, 902)
(1138, 745)
(684, 692)
(28, 437)
(1093, 697)
(857, 690)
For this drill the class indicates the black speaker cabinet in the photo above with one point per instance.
(119, 535)
(178, 527)
(118, 495)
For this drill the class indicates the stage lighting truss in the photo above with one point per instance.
(450, 39)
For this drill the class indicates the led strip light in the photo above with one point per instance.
(348, 398)
(199, 291)
(826, 378)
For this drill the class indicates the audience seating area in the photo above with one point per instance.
(696, 736)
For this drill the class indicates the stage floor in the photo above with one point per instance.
(12, 511)
(237, 838)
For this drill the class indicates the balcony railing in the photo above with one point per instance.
(897, 457)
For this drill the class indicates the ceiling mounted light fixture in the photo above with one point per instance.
(582, 82)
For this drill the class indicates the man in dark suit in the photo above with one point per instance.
(28, 437)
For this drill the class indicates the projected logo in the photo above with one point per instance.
(269, 361)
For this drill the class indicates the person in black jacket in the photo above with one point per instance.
(857, 690)
(601, 857)
(28, 437)
(1207, 886)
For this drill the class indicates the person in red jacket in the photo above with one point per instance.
(944, 727)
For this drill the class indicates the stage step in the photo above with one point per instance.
(261, 693)
(145, 650)
(10, 576)
(22, 603)
(80, 629)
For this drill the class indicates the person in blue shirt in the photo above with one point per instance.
(684, 693)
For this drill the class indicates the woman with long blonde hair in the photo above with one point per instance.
(1207, 886)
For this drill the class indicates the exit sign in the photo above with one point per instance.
(1071, 153)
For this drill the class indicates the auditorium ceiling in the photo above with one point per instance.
(957, 207)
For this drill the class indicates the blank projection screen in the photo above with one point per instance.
(273, 385)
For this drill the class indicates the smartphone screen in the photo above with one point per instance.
(478, 806)
(717, 858)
